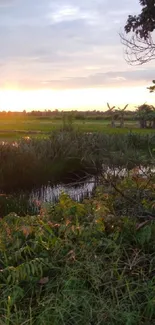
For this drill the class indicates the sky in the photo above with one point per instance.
(67, 54)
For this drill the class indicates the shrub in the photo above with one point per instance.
(77, 264)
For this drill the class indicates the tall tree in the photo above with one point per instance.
(140, 47)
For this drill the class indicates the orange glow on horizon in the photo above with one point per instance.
(82, 99)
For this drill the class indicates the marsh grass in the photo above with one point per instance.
(31, 162)
(19, 203)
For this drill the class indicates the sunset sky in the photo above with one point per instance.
(64, 54)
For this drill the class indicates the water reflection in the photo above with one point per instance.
(77, 191)
(24, 203)
(29, 202)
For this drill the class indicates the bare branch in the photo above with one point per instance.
(137, 50)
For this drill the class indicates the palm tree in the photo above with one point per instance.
(122, 115)
(111, 111)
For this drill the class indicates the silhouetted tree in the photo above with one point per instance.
(146, 114)
(111, 113)
(140, 47)
(121, 115)
(152, 88)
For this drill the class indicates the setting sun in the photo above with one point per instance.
(77, 162)
(18, 100)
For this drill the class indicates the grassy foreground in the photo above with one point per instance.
(81, 264)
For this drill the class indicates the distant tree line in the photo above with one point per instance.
(75, 114)
(144, 113)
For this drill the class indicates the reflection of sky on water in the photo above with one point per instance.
(81, 190)
(29, 202)
(51, 193)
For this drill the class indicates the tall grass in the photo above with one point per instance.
(30, 162)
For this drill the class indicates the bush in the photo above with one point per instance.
(77, 264)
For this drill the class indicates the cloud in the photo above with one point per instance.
(5, 3)
(108, 79)
(57, 44)
(69, 13)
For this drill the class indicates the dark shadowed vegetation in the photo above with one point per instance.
(66, 154)
(82, 263)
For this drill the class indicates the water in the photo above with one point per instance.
(29, 202)
(77, 191)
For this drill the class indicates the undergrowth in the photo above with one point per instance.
(90, 263)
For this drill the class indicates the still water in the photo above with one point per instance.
(77, 191)
(28, 202)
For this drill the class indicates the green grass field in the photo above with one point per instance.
(14, 128)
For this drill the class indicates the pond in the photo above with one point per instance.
(28, 202)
